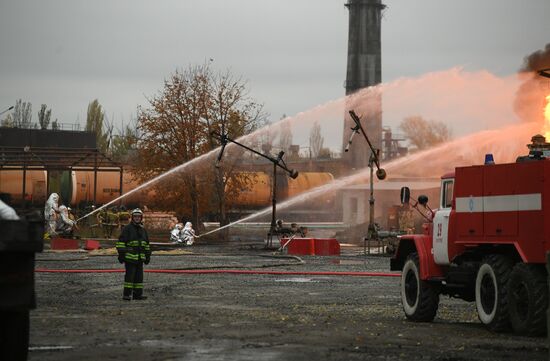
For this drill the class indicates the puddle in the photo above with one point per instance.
(296, 279)
(50, 348)
(346, 262)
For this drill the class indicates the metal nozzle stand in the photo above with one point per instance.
(374, 160)
(277, 162)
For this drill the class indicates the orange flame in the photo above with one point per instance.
(547, 117)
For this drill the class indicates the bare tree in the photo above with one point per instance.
(123, 142)
(316, 140)
(44, 116)
(423, 134)
(230, 110)
(285, 136)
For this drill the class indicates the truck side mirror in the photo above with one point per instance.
(405, 195)
(423, 200)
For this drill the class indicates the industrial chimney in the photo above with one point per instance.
(364, 70)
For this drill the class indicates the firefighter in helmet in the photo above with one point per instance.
(134, 250)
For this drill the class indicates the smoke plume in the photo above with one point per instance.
(531, 95)
(538, 60)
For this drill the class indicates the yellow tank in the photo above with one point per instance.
(11, 181)
(108, 187)
(259, 195)
(76, 187)
(306, 181)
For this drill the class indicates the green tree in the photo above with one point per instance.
(94, 123)
(44, 116)
(22, 114)
(8, 121)
(423, 134)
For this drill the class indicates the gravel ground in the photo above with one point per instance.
(250, 317)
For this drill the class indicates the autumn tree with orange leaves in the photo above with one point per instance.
(177, 128)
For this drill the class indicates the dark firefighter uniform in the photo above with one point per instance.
(134, 250)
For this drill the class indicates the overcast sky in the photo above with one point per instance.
(65, 53)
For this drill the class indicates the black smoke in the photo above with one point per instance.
(531, 95)
(538, 60)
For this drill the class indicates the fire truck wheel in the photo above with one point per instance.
(492, 292)
(528, 294)
(420, 299)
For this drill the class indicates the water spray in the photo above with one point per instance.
(484, 139)
(330, 106)
(277, 162)
(149, 182)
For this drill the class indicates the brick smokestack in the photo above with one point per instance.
(364, 69)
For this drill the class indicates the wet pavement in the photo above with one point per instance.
(250, 316)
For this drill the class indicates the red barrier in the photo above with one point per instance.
(90, 245)
(312, 246)
(327, 247)
(64, 243)
(299, 246)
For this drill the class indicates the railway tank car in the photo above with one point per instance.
(76, 188)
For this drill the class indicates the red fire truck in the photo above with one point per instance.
(487, 243)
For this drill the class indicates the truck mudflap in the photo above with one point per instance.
(423, 246)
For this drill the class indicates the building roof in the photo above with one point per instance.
(46, 138)
(14, 158)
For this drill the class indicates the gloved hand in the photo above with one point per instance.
(147, 260)
(121, 258)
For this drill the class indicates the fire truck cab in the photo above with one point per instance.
(487, 243)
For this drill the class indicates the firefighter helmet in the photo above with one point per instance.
(137, 212)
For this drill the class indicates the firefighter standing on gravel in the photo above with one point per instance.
(134, 250)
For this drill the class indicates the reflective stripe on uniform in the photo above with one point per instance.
(138, 285)
(129, 285)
